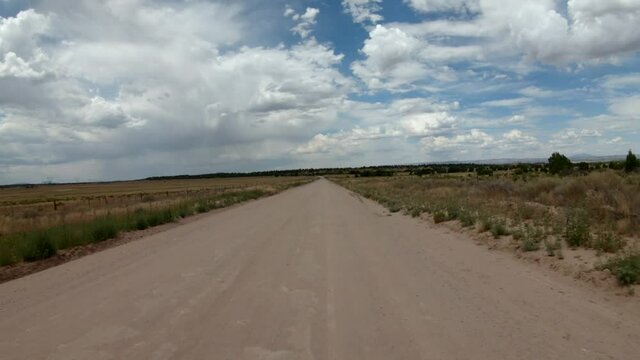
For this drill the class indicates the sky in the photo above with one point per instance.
(125, 89)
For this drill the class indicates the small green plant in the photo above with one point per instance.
(498, 229)
(416, 211)
(577, 228)
(467, 218)
(439, 216)
(202, 207)
(529, 245)
(626, 268)
(530, 237)
(453, 211)
(608, 241)
(394, 208)
(486, 223)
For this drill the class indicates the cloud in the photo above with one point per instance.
(626, 106)
(618, 82)
(476, 144)
(514, 102)
(363, 11)
(165, 87)
(589, 31)
(427, 6)
(536, 92)
(413, 118)
(306, 21)
(397, 61)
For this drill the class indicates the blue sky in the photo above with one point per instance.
(119, 89)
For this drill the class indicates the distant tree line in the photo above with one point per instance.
(557, 164)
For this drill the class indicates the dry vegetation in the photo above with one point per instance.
(543, 213)
(37, 221)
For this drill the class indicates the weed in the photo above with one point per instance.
(608, 241)
(467, 218)
(626, 268)
(439, 216)
(577, 228)
(416, 211)
(498, 228)
(530, 237)
(104, 229)
(38, 246)
(486, 223)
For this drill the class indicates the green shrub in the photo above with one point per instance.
(498, 228)
(528, 244)
(38, 246)
(202, 207)
(577, 228)
(439, 216)
(608, 241)
(141, 223)
(104, 229)
(467, 218)
(486, 223)
(416, 211)
(453, 211)
(530, 237)
(625, 268)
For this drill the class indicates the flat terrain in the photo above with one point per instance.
(312, 273)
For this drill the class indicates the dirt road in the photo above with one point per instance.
(312, 273)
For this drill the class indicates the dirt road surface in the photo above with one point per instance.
(312, 273)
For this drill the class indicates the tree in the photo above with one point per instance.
(583, 166)
(631, 163)
(559, 164)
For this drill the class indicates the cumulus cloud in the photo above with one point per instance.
(413, 118)
(542, 31)
(475, 144)
(363, 11)
(305, 21)
(396, 61)
(139, 81)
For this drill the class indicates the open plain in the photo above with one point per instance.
(315, 272)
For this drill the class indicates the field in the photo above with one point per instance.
(533, 213)
(38, 220)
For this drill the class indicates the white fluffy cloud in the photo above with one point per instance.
(542, 30)
(363, 11)
(477, 144)
(305, 21)
(397, 61)
(413, 118)
(127, 80)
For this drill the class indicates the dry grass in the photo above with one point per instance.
(609, 199)
(43, 206)
(38, 222)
